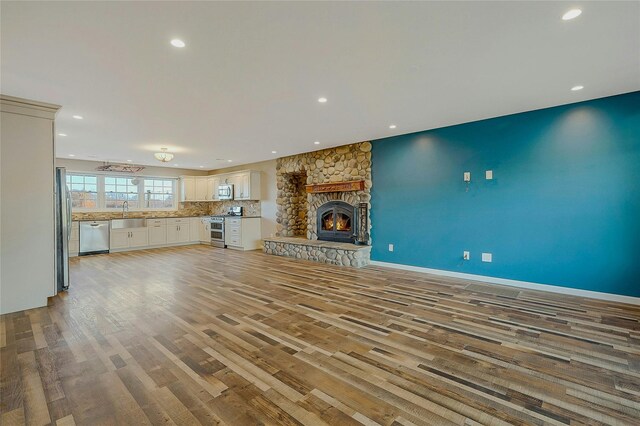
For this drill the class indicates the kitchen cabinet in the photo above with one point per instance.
(128, 238)
(201, 189)
(212, 187)
(74, 239)
(157, 231)
(187, 188)
(178, 230)
(194, 229)
(205, 231)
(247, 185)
(242, 233)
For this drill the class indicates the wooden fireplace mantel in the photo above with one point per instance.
(356, 185)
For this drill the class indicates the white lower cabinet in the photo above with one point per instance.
(74, 239)
(178, 230)
(205, 231)
(157, 231)
(128, 238)
(194, 229)
(242, 233)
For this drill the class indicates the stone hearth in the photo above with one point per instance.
(342, 254)
(296, 214)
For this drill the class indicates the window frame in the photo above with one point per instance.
(101, 198)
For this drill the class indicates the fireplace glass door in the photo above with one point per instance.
(336, 222)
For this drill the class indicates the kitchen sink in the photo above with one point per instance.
(128, 223)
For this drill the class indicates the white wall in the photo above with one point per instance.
(268, 190)
(27, 224)
(90, 166)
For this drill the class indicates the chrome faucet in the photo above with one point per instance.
(125, 205)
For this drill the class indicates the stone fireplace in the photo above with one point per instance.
(301, 230)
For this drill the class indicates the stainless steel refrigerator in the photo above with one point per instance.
(63, 229)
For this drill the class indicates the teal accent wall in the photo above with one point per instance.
(563, 207)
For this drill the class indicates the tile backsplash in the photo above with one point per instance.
(186, 209)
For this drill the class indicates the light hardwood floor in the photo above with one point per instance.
(202, 335)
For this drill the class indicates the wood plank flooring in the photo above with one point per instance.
(198, 335)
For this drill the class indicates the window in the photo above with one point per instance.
(83, 190)
(117, 190)
(159, 193)
(109, 192)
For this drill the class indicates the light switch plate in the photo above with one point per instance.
(487, 257)
(489, 174)
(466, 255)
(390, 247)
(467, 176)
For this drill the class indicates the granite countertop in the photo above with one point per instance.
(165, 217)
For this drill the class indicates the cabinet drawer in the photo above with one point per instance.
(178, 220)
(234, 230)
(234, 221)
(235, 241)
(156, 222)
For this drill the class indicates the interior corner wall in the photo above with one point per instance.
(563, 207)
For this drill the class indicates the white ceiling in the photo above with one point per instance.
(249, 78)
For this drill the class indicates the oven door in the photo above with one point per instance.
(217, 234)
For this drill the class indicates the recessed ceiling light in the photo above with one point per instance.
(202, 167)
(393, 126)
(274, 152)
(78, 117)
(576, 88)
(128, 161)
(322, 100)
(176, 42)
(573, 13)
(72, 155)
(229, 161)
(62, 134)
(316, 143)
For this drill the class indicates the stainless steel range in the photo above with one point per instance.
(217, 231)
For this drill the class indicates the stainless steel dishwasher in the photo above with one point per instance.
(94, 237)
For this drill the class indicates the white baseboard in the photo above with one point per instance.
(515, 283)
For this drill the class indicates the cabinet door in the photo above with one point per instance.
(183, 233)
(119, 239)
(188, 192)
(138, 237)
(205, 233)
(201, 189)
(172, 233)
(212, 188)
(157, 235)
(194, 229)
(242, 186)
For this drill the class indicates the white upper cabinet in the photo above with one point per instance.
(246, 186)
(212, 187)
(187, 188)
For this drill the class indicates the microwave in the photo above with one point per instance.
(225, 192)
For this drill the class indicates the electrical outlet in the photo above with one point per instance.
(489, 174)
(467, 176)
(487, 257)
(466, 255)
(390, 247)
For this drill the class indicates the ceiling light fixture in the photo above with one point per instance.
(72, 155)
(62, 134)
(202, 167)
(576, 88)
(229, 161)
(571, 14)
(322, 100)
(316, 143)
(163, 156)
(393, 126)
(274, 152)
(78, 117)
(176, 42)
